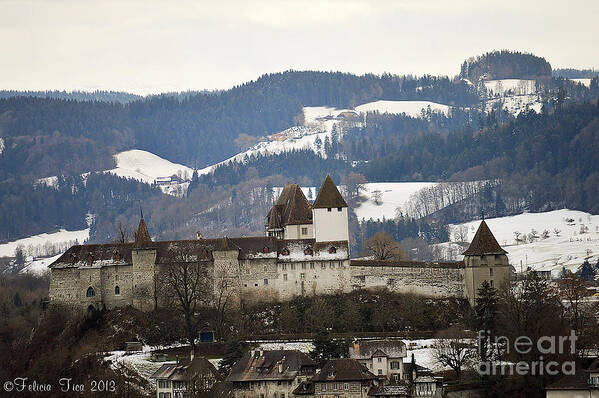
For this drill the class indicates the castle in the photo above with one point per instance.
(305, 251)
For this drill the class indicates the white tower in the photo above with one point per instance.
(329, 214)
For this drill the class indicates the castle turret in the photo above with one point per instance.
(143, 257)
(484, 260)
(291, 216)
(329, 214)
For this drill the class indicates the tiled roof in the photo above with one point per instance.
(292, 208)
(142, 236)
(186, 370)
(483, 243)
(343, 370)
(578, 381)
(264, 365)
(329, 196)
(367, 349)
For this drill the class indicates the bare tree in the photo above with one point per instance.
(454, 349)
(382, 247)
(461, 233)
(354, 184)
(572, 289)
(123, 232)
(187, 283)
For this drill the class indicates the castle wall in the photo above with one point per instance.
(121, 276)
(295, 231)
(427, 280)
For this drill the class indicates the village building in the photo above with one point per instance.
(185, 378)
(270, 374)
(381, 357)
(305, 251)
(585, 383)
(339, 378)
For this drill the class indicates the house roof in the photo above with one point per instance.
(344, 369)
(186, 370)
(329, 195)
(578, 381)
(304, 388)
(292, 208)
(483, 243)
(374, 348)
(264, 365)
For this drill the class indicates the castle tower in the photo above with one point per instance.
(484, 260)
(143, 256)
(329, 214)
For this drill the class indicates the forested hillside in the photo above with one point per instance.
(505, 64)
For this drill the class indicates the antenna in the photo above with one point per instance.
(482, 213)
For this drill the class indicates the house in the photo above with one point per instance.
(270, 374)
(381, 357)
(585, 383)
(339, 378)
(186, 377)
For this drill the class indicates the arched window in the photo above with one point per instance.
(333, 249)
(117, 290)
(90, 292)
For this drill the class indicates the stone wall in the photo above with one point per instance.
(426, 279)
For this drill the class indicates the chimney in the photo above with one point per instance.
(199, 235)
(356, 349)
(191, 356)
(280, 366)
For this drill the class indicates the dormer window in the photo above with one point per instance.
(285, 252)
(90, 258)
(73, 258)
(265, 249)
(333, 250)
(308, 251)
(116, 256)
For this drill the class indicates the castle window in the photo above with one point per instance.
(90, 292)
(332, 265)
(265, 281)
(491, 282)
(265, 268)
(304, 231)
(338, 208)
(117, 290)
(311, 265)
(283, 267)
(116, 277)
(284, 277)
(333, 250)
(491, 272)
(303, 265)
(302, 276)
(329, 209)
(285, 252)
(323, 265)
(292, 266)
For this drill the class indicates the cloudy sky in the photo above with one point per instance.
(150, 46)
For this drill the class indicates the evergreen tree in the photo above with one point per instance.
(485, 310)
(20, 256)
(233, 352)
(587, 271)
(326, 348)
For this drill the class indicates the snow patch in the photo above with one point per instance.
(584, 81)
(39, 266)
(410, 108)
(1, 145)
(393, 195)
(147, 167)
(510, 86)
(54, 238)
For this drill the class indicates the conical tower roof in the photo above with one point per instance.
(142, 236)
(483, 243)
(329, 195)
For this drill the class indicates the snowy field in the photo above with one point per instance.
(39, 266)
(393, 195)
(570, 248)
(61, 237)
(515, 104)
(410, 108)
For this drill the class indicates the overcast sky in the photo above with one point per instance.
(149, 46)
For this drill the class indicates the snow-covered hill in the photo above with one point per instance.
(567, 248)
(147, 167)
(513, 95)
(410, 108)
